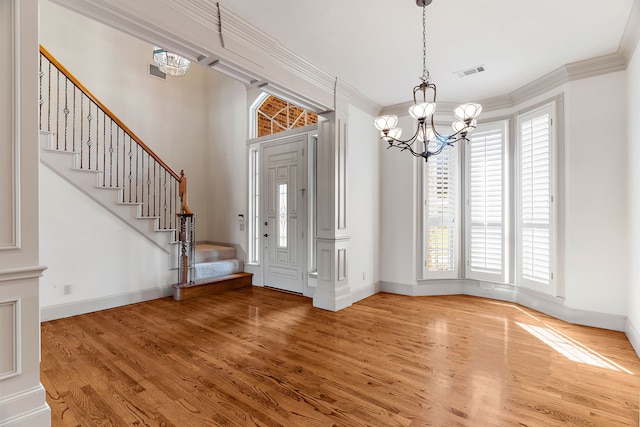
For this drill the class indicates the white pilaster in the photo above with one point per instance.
(22, 397)
(332, 292)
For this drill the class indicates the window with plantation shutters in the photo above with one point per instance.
(534, 200)
(485, 230)
(441, 208)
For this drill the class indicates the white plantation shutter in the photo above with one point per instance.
(535, 219)
(441, 235)
(485, 203)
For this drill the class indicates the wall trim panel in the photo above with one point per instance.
(12, 241)
(10, 333)
(13, 274)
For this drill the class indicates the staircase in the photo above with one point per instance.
(216, 269)
(86, 144)
(64, 163)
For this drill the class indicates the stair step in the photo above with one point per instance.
(206, 252)
(205, 270)
(212, 286)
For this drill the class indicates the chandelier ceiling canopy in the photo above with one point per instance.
(430, 141)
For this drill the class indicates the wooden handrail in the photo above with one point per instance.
(108, 112)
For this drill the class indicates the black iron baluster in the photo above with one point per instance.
(130, 169)
(49, 99)
(110, 153)
(143, 183)
(57, 109)
(97, 137)
(104, 149)
(66, 112)
(40, 100)
(164, 205)
(73, 142)
(117, 154)
(137, 170)
(89, 142)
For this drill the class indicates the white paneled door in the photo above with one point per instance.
(283, 213)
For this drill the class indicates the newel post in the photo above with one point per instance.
(186, 236)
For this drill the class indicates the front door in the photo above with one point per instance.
(284, 213)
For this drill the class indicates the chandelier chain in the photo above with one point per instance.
(425, 72)
(426, 136)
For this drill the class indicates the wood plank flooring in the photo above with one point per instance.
(258, 357)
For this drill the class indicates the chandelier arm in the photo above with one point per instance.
(404, 147)
(409, 141)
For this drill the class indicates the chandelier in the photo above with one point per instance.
(431, 141)
(170, 63)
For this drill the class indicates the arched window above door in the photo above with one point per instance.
(276, 115)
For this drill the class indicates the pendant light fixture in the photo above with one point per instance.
(423, 108)
(170, 63)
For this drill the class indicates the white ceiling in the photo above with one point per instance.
(376, 45)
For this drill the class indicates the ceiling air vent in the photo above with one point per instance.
(154, 71)
(469, 71)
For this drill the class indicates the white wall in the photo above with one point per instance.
(363, 201)
(105, 262)
(633, 120)
(596, 226)
(170, 116)
(398, 207)
(226, 192)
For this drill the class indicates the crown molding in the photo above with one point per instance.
(631, 36)
(258, 59)
(600, 65)
(357, 99)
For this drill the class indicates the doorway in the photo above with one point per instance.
(283, 208)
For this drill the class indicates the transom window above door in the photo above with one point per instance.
(276, 115)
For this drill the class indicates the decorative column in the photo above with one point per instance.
(332, 291)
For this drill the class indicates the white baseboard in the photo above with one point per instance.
(87, 306)
(364, 292)
(633, 335)
(25, 409)
(546, 304)
(424, 288)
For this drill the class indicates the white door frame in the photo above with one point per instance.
(258, 143)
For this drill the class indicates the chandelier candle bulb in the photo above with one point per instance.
(386, 122)
(394, 133)
(422, 111)
(467, 111)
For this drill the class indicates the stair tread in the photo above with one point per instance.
(212, 286)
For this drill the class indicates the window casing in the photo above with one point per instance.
(486, 197)
(534, 200)
(441, 186)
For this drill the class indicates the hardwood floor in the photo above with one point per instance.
(256, 356)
